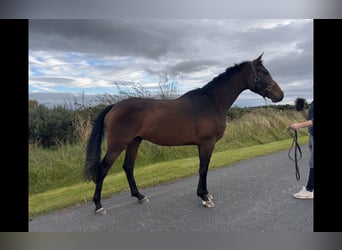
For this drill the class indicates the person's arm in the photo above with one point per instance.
(299, 125)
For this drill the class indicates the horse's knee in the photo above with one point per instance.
(128, 168)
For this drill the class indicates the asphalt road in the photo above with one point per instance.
(251, 196)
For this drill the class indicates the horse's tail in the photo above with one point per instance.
(93, 156)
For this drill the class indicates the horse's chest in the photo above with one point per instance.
(212, 128)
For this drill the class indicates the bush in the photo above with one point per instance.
(236, 112)
(50, 127)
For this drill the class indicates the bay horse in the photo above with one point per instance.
(196, 118)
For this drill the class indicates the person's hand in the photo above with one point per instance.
(295, 126)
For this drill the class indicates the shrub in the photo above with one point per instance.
(49, 127)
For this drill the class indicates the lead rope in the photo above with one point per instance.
(297, 149)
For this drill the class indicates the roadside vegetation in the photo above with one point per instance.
(55, 172)
(58, 137)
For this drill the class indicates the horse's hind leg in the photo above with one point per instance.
(128, 166)
(103, 169)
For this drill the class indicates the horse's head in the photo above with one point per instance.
(261, 82)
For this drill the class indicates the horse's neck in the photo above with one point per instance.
(225, 94)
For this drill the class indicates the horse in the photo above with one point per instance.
(197, 117)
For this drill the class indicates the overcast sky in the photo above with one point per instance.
(89, 56)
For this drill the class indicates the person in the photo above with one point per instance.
(307, 192)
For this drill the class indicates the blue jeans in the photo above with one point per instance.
(310, 184)
(311, 147)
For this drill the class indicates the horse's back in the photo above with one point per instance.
(175, 122)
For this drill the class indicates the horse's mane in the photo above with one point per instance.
(220, 79)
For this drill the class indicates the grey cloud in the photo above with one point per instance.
(183, 67)
(190, 66)
(179, 48)
(57, 80)
(108, 38)
(292, 66)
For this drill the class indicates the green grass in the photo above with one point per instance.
(63, 166)
(55, 175)
(147, 176)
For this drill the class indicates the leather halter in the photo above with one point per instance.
(257, 79)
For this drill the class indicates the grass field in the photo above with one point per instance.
(55, 179)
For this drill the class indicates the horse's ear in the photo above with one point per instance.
(259, 58)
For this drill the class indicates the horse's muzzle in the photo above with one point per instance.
(277, 97)
(276, 94)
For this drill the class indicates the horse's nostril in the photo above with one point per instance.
(278, 98)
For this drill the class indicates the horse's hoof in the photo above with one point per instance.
(209, 196)
(145, 199)
(100, 211)
(208, 203)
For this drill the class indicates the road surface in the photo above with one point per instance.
(251, 196)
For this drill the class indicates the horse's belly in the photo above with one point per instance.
(168, 136)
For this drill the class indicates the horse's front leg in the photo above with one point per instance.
(205, 152)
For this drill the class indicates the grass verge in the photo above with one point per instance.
(147, 176)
